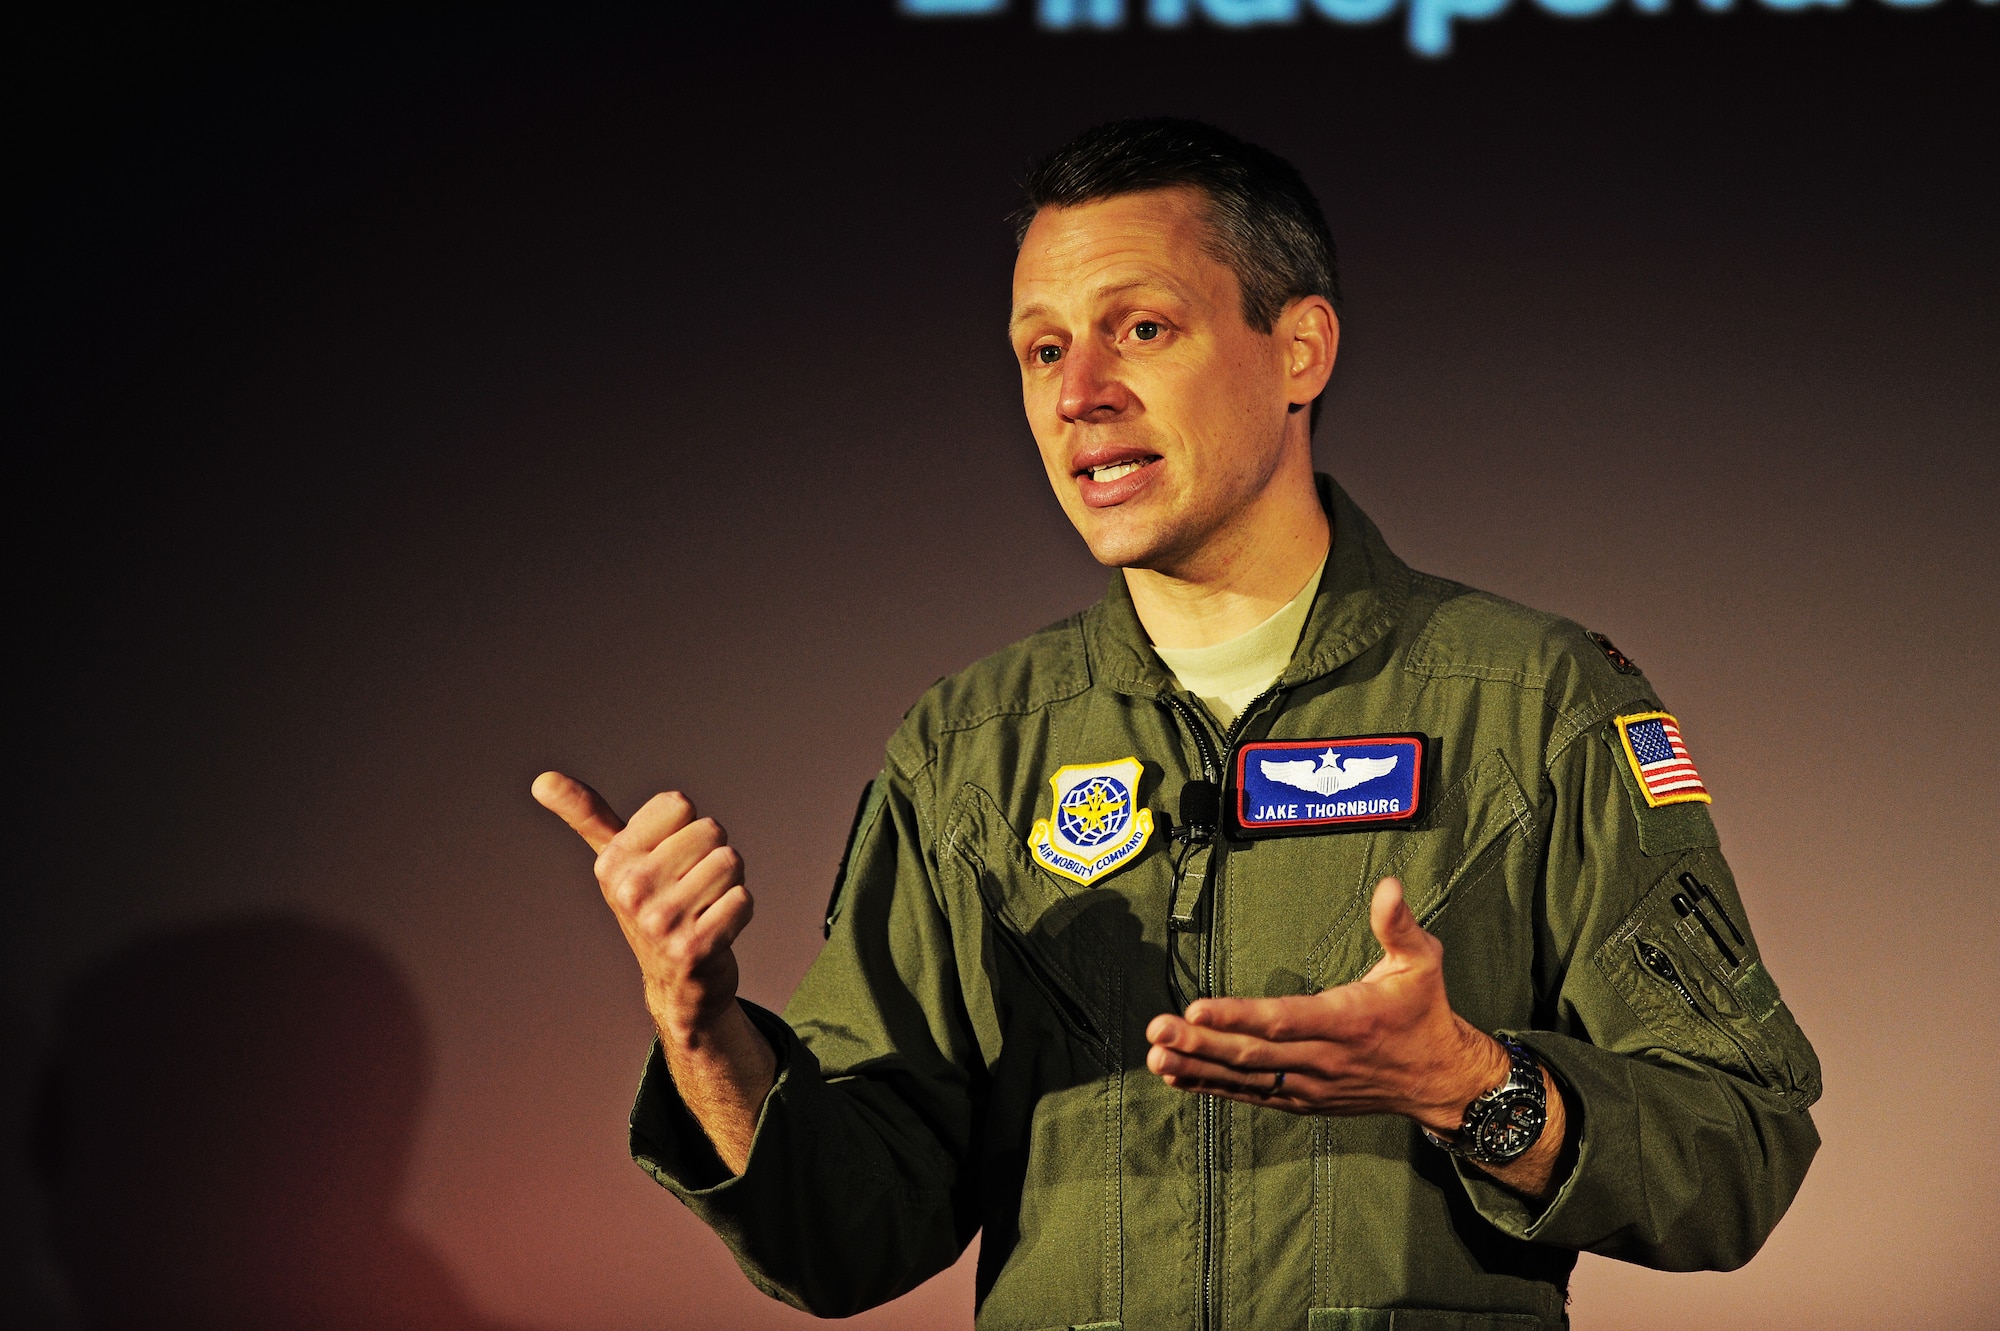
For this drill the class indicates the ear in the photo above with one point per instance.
(1309, 335)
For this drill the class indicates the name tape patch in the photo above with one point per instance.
(1323, 785)
(1095, 823)
(1660, 760)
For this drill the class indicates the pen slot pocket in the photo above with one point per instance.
(1686, 964)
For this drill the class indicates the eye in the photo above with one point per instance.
(1145, 330)
(1048, 355)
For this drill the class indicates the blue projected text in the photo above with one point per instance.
(1430, 21)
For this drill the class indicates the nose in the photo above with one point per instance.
(1093, 390)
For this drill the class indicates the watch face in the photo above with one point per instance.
(1509, 1126)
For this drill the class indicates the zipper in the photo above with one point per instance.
(1662, 965)
(1211, 772)
(1067, 1008)
(1212, 769)
(1658, 962)
(1213, 766)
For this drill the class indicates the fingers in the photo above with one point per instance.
(1294, 1018)
(657, 819)
(1370, 1046)
(660, 871)
(677, 855)
(695, 942)
(1319, 1040)
(676, 887)
(1395, 927)
(1344, 1013)
(1240, 1051)
(669, 902)
(1286, 1086)
(1281, 1097)
(1321, 1032)
(1185, 1073)
(1307, 1076)
(724, 920)
(578, 805)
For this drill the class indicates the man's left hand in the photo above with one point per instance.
(1389, 1043)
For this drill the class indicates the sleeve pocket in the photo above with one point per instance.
(1686, 964)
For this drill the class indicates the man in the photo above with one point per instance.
(1289, 940)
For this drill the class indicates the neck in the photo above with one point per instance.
(1242, 576)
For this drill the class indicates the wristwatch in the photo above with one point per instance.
(1503, 1123)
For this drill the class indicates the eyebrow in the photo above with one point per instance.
(1030, 311)
(1025, 313)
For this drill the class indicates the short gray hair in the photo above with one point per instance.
(1268, 226)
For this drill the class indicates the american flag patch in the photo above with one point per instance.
(1660, 760)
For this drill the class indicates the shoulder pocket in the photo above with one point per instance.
(1686, 963)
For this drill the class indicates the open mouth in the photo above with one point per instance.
(1104, 465)
(1107, 477)
(1112, 471)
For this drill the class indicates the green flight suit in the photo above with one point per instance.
(967, 1052)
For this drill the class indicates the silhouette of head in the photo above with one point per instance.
(225, 1130)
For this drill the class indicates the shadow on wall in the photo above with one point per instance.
(223, 1133)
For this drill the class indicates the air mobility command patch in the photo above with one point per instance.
(1361, 782)
(1095, 824)
(1653, 746)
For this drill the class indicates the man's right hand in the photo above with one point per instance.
(675, 885)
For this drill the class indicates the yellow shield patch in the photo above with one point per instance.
(1095, 823)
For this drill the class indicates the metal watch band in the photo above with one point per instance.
(1502, 1124)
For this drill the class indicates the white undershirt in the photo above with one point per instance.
(1228, 675)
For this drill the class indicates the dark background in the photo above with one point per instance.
(401, 403)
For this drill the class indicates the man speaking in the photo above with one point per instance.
(1291, 939)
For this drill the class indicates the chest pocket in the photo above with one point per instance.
(1067, 941)
(1463, 841)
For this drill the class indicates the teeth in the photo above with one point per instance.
(1114, 471)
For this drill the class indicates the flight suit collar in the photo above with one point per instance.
(1360, 597)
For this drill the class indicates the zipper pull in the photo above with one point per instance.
(1662, 965)
(1187, 928)
(1190, 881)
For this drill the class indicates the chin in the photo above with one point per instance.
(1113, 549)
(1121, 546)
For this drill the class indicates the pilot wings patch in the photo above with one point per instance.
(1325, 785)
(1330, 775)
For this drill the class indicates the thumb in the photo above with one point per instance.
(579, 806)
(1393, 923)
